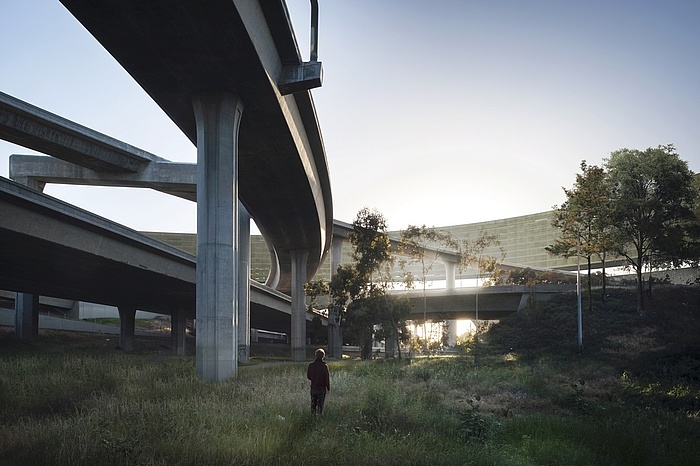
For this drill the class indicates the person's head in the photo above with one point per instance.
(320, 354)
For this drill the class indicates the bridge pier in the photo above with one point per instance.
(450, 269)
(218, 117)
(26, 304)
(178, 329)
(243, 284)
(27, 316)
(299, 258)
(127, 327)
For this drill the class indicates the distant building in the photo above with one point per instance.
(523, 240)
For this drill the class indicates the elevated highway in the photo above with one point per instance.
(483, 303)
(178, 49)
(52, 248)
(230, 76)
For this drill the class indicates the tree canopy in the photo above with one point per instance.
(358, 291)
(641, 205)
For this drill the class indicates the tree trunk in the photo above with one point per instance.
(602, 260)
(366, 348)
(640, 288)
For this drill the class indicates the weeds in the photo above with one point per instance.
(631, 399)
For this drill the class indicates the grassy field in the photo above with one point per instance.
(632, 398)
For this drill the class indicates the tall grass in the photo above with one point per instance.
(87, 404)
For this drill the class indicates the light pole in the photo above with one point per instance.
(578, 288)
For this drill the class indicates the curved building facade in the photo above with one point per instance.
(523, 240)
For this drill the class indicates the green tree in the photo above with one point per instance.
(483, 254)
(652, 209)
(585, 222)
(360, 289)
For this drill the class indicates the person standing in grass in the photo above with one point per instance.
(320, 377)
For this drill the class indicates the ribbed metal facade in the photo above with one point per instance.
(523, 240)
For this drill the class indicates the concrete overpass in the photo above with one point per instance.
(483, 303)
(178, 49)
(51, 248)
(204, 63)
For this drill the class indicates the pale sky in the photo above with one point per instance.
(433, 112)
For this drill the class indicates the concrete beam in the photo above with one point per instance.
(297, 78)
(177, 179)
(35, 128)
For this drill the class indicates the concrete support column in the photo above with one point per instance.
(218, 117)
(243, 284)
(299, 258)
(27, 316)
(450, 268)
(127, 327)
(178, 327)
(335, 332)
(27, 305)
(451, 333)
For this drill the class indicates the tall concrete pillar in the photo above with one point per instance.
(335, 332)
(127, 327)
(299, 258)
(450, 268)
(451, 333)
(243, 284)
(218, 117)
(27, 305)
(178, 327)
(27, 316)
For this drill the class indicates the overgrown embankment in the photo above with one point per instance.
(632, 398)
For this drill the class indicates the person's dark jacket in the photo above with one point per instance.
(319, 375)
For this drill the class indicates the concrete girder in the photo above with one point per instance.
(49, 248)
(494, 302)
(35, 128)
(177, 179)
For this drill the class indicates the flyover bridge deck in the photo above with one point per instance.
(52, 248)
